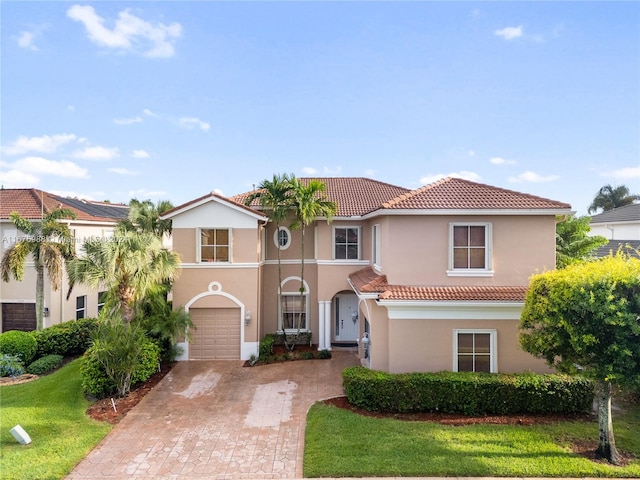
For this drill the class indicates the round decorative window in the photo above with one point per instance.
(282, 238)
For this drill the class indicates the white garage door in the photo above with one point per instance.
(217, 334)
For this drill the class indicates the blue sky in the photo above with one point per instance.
(171, 100)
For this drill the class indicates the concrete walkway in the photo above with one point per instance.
(218, 420)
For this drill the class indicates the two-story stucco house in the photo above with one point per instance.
(433, 278)
(93, 220)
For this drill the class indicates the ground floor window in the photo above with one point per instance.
(81, 307)
(475, 351)
(293, 308)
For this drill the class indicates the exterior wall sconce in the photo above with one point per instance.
(366, 341)
(46, 311)
(247, 318)
(354, 316)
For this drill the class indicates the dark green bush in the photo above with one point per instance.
(306, 356)
(69, 338)
(45, 364)
(96, 382)
(324, 354)
(281, 338)
(266, 346)
(21, 344)
(10, 366)
(466, 392)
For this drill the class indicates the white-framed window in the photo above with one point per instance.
(282, 238)
(470, 249)
(375, 256)
(475, 350)
(81, 307)
(101, 299)
(215, 245)
(346, 243)
(292, 305)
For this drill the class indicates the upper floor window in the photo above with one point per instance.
(215, 244)
(376, 245)
(474, 351)
(282, 238)
(470, 248)
(346, 243)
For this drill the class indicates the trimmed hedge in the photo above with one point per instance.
(45, 364)
(467, 392)
(69, 338)
(19, 343)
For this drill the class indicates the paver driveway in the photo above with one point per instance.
(218, 420)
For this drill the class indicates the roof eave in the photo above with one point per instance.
(478, 212)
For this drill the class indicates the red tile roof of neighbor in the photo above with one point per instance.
(31, 203)
(357, 196)
(367, 281)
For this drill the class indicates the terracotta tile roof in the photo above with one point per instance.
(367, 281)
(458, 194)
(354, 196)
(31, 202)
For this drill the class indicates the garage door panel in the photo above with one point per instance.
(217, 334)
(18, 316)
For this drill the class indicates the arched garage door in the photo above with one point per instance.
(217, 334)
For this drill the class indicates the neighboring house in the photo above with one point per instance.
(435, 278)
(94, 220)
(621, 226)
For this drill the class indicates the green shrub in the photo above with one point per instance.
(22, 344)
(67, 339)
(45, 364)
(120, 359)
(10, 366)
(307, 356)
(266, 346)
(280, 338)
(324, 354)
(467, 392)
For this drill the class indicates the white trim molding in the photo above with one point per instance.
(432, 310)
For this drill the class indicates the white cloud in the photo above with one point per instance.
(627, 173)
(142, 193)
(309, 171)
(140, 154)
(533, 177)
(191, 122)
(127, 121)
(509, 33)
(26, 40)
(465, 175)
(148, 112)
(96, 153)
(123, 171)
(18, 179)
(40, 165)
(501, 161)
(43, 144)
(332, 171)
(129, 32)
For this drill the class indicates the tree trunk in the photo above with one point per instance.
(39, 297)
(606, 442)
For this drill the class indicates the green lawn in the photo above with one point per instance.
(340, 443)
(52, 411)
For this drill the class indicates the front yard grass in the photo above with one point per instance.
(51, 410)
(340, 443)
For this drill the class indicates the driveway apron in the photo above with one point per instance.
(218, 420)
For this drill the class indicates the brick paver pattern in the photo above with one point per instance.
(218, 420)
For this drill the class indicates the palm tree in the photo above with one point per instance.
(309, 203)
(145, 217)
(49, 243)
(609, 198)
(130, 265)
(274, 196)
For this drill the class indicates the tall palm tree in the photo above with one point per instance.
(130, 265)
(274, 196)
(309, 203)
(609, 198)
(49, 242)
(145, 217)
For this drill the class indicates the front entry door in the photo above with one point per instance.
(346, 321)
